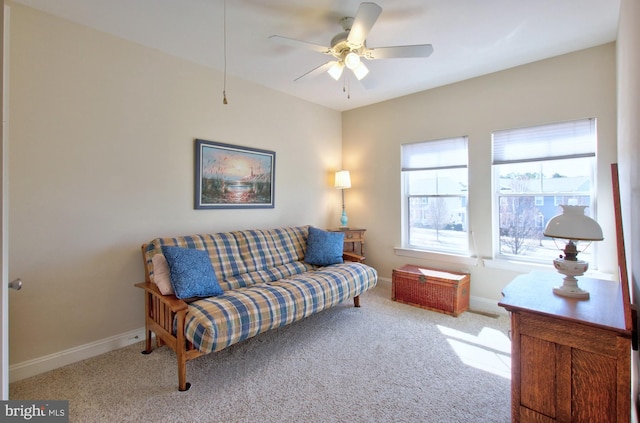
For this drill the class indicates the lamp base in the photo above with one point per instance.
(571, 269)
(343, 219)
(571, 292)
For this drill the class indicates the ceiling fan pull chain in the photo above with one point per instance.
(224, 33)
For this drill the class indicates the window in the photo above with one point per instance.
(434, 177)
(535, 170)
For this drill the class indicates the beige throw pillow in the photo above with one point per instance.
(161, 274)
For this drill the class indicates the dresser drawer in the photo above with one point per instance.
(353, 236)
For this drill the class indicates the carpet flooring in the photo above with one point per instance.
(382, 362)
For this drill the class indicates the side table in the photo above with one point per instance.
(353, 241)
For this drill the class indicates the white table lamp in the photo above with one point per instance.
(342, 182)
(572, 225)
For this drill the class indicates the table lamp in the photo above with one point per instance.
(342, 182)
(572, 225)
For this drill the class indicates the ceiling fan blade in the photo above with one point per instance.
(420, 50)
(316, 71)
(366, 16)
(298, 43)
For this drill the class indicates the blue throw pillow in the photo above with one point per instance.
(324, 247)
(191, 272)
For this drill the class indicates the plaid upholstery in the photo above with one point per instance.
(266, 249)
(215, 323)
(269, 275)
(222, 248)
(234, 254)
(266, 283)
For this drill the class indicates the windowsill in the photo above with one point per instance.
(516, 266)
(436, 256)
(526, 267)
(500, 264)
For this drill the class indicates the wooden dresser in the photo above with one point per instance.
(571, 359)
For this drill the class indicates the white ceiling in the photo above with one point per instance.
(469, 37)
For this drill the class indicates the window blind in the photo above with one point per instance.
(565, 140)
(439, 154)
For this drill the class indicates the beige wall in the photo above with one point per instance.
(572, 86)
(101, 160)
(101, 152)
(628, 65)
(629, 132)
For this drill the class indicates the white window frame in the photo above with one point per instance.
(432, 155)
(556, 141)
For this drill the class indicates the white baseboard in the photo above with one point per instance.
(40, 365)
(384, 282)
(485, 305)
(481, 304)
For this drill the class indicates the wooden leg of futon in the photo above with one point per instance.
(356, 301)
(181, 355)
(147, 313)
(182, 371)
(183, 385)
(148, 347)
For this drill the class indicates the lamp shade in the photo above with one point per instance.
(573, 224)
(352, 60)
(336, 70)
(360, 71)
(343, 180)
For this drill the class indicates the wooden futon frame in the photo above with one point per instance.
(162, 310)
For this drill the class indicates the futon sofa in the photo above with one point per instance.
(204, 293)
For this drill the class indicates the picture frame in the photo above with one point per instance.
(233, 177)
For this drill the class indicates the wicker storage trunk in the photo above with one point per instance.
(438, 290)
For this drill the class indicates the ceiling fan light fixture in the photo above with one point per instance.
(349, 47)
(336, 70)
(360, 71)
(352, 60)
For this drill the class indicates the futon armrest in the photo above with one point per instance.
(174, 303)
(351, 256)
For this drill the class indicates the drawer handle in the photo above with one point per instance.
(422, 278)
(349, 236)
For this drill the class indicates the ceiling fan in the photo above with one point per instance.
(349, 47)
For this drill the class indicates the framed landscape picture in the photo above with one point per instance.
(228, 176)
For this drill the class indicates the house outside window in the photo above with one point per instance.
(435, 183)
(535, 170)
